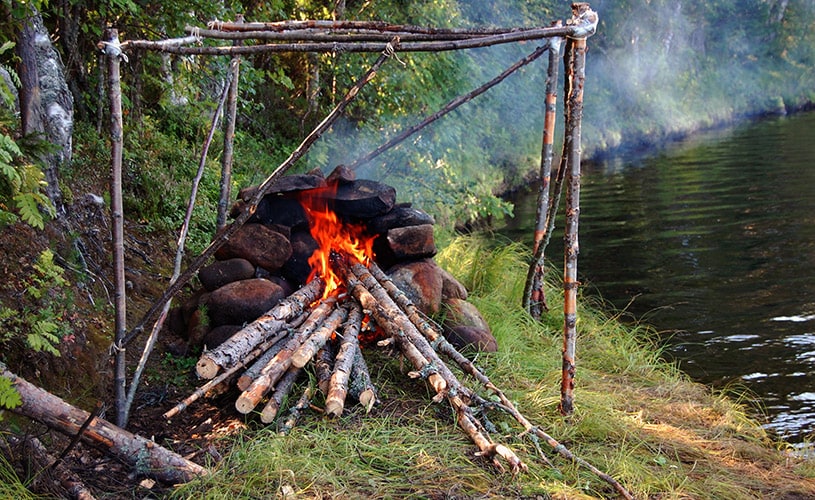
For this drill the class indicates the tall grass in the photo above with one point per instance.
(637, 418)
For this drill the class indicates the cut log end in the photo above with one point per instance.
(244, 404)
(334, 407)
(206, 368)
(269, 412)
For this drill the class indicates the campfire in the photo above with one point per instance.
(328, 240)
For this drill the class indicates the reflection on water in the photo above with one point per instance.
(715, 241)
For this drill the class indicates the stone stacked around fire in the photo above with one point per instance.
(268, 257)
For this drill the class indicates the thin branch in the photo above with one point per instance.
(450, 106)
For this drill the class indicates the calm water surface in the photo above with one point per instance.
(714, 241)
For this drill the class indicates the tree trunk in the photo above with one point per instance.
(144, 455)
(46, 104)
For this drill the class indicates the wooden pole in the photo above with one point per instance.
(113, 51)
(575, 78)
(350, 43)
(534, 299)
(229, 142)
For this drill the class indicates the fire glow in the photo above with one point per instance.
(333, 235)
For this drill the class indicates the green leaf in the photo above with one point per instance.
(27, 204)
(9, 397)
(43, 337)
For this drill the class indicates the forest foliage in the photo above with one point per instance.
(655, 68)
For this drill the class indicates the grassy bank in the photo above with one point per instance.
(637, 418)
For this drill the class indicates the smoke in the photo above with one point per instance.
(655, 69)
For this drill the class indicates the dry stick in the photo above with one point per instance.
(113, 51)
(278, 365)
(316, 340)
(534, 299)
(344, 361)
(225, 375)
(434, 335)
(179, 254)
(360, 386)
(324, 365)
(350, 25)
(575, 75)
(229, 143)
(276, 319)
(281, 391)
(263, 189)
(294, 412)
(414, 346)
(447, 108)
(347, 43)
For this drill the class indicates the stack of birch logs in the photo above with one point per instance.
(271, 352)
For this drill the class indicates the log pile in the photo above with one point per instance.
(345, 299)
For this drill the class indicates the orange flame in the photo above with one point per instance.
(333, 235)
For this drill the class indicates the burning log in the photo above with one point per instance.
(278, 365)
(233, 350)
(338, 385)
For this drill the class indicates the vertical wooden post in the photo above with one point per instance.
(534, 300)
(229, 141)
(574, 80)
(113, 52)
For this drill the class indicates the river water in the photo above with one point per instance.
(711, 241)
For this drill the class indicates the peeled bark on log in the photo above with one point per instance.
(144, 455)
(231, 351)
(251, 373)
(316, 340)
(278, 365)
(338, 385)
(269, 412)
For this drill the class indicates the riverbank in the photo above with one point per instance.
(638, 419)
